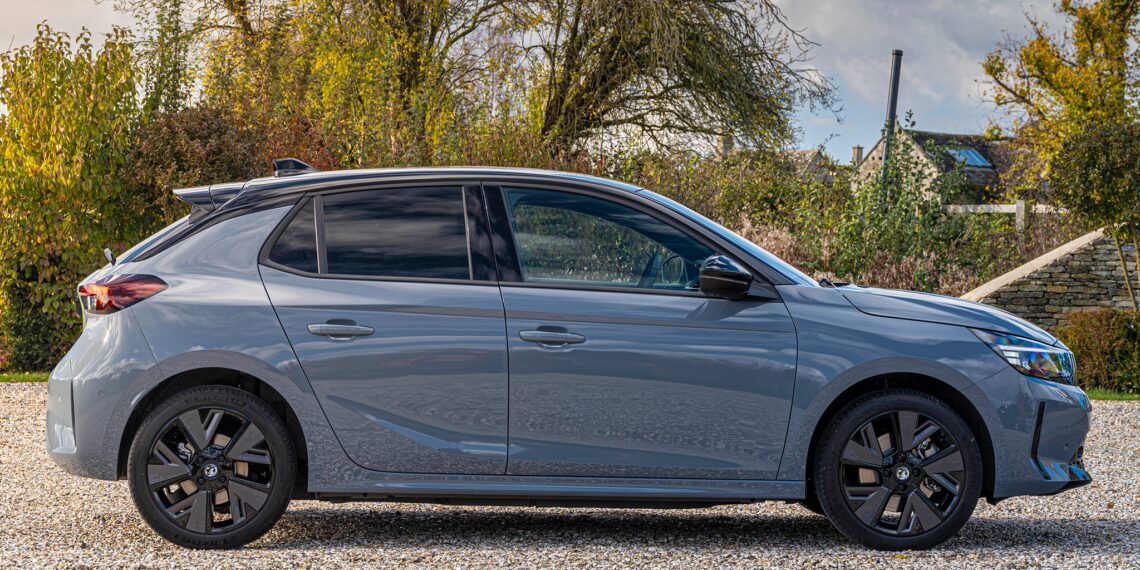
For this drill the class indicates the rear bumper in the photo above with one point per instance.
(1038, 431)
(70, 449)
(61, 417)
(89, 395)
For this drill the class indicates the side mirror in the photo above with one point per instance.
(723, 278)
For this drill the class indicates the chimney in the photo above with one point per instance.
(856, 155)
(724, 144)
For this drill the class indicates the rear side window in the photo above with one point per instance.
(297, 246)
(413, 232)
(404, 232)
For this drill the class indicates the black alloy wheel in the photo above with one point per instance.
(898, 470)
(212, 467)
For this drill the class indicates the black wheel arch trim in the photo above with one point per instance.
(885, 373)
(220, 368)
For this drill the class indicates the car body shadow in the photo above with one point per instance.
(513, 528)
(525, 528)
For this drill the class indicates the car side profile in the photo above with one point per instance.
(535, 338)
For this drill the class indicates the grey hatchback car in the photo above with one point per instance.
(518, 337)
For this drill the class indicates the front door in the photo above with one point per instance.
(619, 367)
(398, 324)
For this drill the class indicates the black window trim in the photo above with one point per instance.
(506, 247)
(479, 255)
(496, 269)
(319, 234)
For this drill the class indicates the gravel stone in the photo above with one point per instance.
(51, 519)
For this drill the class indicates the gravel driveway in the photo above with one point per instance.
(48, 518)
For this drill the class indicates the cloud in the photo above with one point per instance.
(944, 42)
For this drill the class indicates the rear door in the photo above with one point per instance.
(388, 297)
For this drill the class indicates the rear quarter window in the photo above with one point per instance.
(296, 247)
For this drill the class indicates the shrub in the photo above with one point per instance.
(35, 347)
(1106, 343)
(70, 111)
(191, 147)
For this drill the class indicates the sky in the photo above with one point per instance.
(943, 42)
(18, 18)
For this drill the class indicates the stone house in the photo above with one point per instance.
(810, 165)
(982, 162)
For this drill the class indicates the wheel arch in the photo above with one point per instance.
(920, 382)
(217, 376)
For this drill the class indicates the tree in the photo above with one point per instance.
(165, 59)
(380, 77)
(665, 68)
(1052, 85)
(1097, 175)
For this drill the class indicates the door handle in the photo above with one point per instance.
(552, 338)
(340, 331)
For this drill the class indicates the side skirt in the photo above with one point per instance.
(560, 491)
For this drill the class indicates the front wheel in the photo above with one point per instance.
(212, 467)
(898, 470)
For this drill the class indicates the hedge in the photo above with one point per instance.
(1107, 346)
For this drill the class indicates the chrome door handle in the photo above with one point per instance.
(339, 331)
(552, 338)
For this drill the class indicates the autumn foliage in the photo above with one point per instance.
(95, 132)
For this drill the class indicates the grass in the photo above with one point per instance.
(1094, 393)
(1099, 394)
(23, 377)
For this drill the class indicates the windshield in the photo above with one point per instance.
(794, 275)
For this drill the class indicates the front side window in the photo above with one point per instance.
(404, 232)
(567, 238)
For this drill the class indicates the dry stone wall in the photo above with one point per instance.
(1080, 275)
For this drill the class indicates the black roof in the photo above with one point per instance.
(293, 176)
(311, 180)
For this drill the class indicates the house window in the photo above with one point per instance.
(969, 157)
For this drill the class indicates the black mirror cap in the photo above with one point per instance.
(724, 278)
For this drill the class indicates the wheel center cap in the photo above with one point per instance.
(210, 470)
(902, 473)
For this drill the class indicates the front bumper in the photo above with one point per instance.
(1038, 431)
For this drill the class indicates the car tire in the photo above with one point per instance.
(211, 467)
(886, 492)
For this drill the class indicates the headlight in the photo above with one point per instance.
(1030, 357)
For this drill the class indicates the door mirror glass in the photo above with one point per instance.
(723, 278)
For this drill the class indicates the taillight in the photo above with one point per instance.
(117, 292)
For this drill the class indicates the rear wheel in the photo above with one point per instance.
(898, 470)
(212, 467)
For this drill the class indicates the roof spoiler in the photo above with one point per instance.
(290, 167)
(206, 199)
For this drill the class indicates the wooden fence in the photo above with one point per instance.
(1019, 209)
